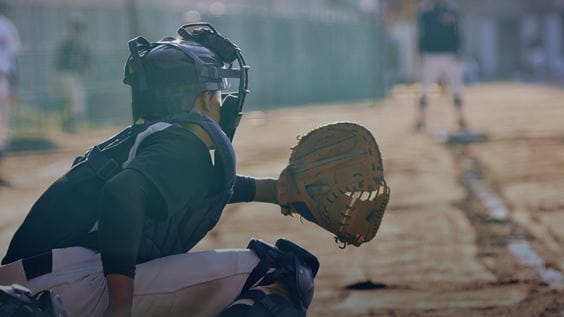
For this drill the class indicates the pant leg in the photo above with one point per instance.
(76, 276)
(5, 112)
(429, 74)
(4, 126)
(72, 90)
(190, 284)
(454, 75)
(77, 96)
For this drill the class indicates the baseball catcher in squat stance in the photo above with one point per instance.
(111, 237)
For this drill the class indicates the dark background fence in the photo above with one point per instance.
(327, 56)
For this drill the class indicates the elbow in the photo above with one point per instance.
(118, 205)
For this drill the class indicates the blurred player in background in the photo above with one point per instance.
(440, 46)
(9, 47)
(72, 61)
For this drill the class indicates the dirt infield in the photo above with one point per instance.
(442, 250)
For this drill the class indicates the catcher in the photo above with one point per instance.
(111, 237)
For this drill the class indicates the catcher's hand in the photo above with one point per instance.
(335, 179)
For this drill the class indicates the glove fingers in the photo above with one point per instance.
(336, 178)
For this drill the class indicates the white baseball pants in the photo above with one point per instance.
(190, 284)
(5, 111)
(445, 67)
(72, 88)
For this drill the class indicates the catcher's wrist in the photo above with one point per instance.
(266, 190)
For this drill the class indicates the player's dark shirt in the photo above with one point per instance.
(439, 30)
(72, 56)
(171, 169)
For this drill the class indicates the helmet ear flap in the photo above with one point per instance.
(140, 103)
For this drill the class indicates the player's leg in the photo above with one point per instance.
(281, 285)
(260, 281)
(4, 122)
(5, 116)
(67, 90)
(191, 284)
(75, 274)
(75, 96)
(4, 125)
(456, 86)
(78, 99)
(428, 74)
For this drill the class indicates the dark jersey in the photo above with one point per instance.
(172, 167)
(439, 30)
(72, 56)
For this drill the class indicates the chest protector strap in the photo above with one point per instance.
(105, 167)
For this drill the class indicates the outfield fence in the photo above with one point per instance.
(297, 56)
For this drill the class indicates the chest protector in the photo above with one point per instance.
(181, 230)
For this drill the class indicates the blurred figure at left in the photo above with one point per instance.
(72, 62)
(9, 48)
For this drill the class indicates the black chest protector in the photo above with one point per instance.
(181, 230)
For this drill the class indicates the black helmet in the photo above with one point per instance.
(201, 60)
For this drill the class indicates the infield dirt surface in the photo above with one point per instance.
(439, 251)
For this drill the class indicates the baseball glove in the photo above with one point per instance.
(335, 178)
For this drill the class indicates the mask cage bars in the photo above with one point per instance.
(187, 31)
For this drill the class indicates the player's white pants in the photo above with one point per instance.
(5, 111)
(72, 88)
(190, 284)
(446, 67)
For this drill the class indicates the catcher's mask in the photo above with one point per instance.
(200, 60)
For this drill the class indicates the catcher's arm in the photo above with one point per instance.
(266, 190)
(248, 189)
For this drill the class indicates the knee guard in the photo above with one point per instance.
(287, 264)
(423, 102)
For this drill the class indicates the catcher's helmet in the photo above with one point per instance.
(201, 60)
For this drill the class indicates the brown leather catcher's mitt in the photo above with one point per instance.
(335, 179)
